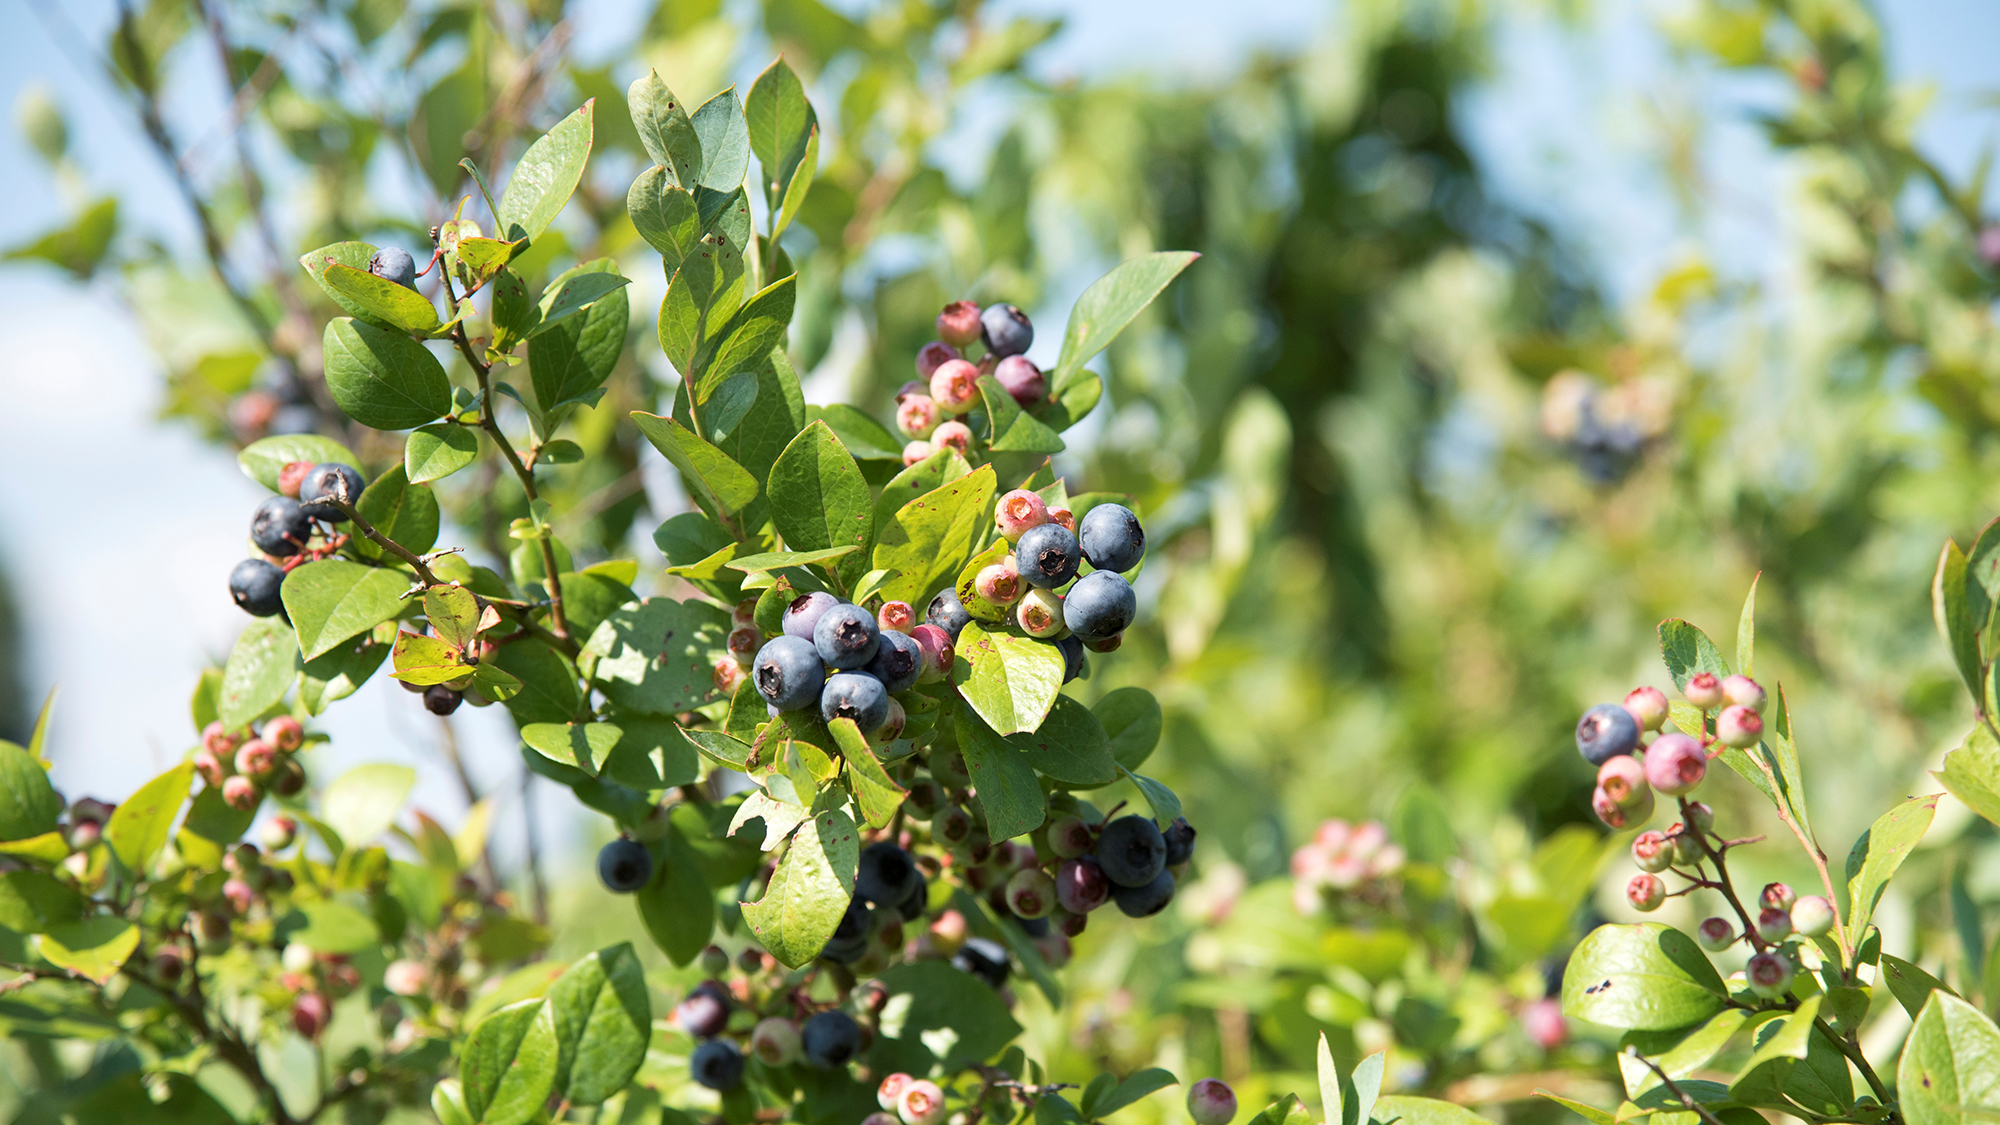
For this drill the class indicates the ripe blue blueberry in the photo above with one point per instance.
(441, 700)
(831, 1039)
(1100, 605)
(326, 483)
(1112, 538)
(788, 673)
(254, 584)
(885, 874)
(947, 612)
(704, 1012)
(625, 865)
(717, 1064)
(1606, 731)
(393, 263)
(1132, 851)
(1047, 555)
(847, 637)
(855, 695)
(917, 901)
(805, 612)
(898, 660)
(1146, 901)
(1006, 329)
(1180, 841)
(849, 942)
(280, 527)
(983, 958)
(1074, 662)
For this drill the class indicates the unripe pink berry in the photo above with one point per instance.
(745, 613)
(1023, 380)
(1812, 916)
(84, 834)
(1018, 511)
(890, 1090)
(310, 1013)
(998, 585)
(896, 617)
(775, 1040)
(913, 387)
(954, 435)
(1069, 837)
(256, 759)
(1069, 924)
(1648, 706)
(279, 832)
(1774, 925)
(1715, 934)
(1652, 852)
(1769, 974)
(892, 726)
(1777, 896)
(292, 476)
(932, 356)
(935, 645)
(239, 895)
(955, 386)
(729, 674)
(1645, 892)
(1543, 1021)
(1063, 518)
(1615, 815)
(917, 416)
(1675, 764)
(239, 793)
(1704, 690)
(744, 641)
(1622, 778)
(948, 932)
(404, 977)
(958, 324)
(1211, 1102)
(284, 734)
(921, 1103)
(219, 742)
(1744, 692)
(1738, 726)
(916, 451)
(210, 766)
(1081, 886)
(1040, 614)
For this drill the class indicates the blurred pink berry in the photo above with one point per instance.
(1023, 380)
(1744, 692)
(1700, 817)
(1645, 892)
(1543, 1021)
(1031, 893)
(958, 324)
(1738, 726)
(219, 741)
(1704, 690)
(239, 895)
(932, 356)
(404, 977)
(955, 386)
(953, 435)
(1615, 815)
(913, 387)
(917, 416)
(1081, 886)
(1715, 934)
(255, 759)
(1018, 511)
(310, 1013)
(921, 1103)
(1777, 896)
(284, 734)
(292, 476)
(1675, 764)
(1211, 1102)
(917, 451)
(744, 614)
(896, 617)
(1648, 706)
(239, 793)
(1774, 925)
(1622, 778)
(1651, 853)
(890, 1091)
(729, 674)
(744, 641)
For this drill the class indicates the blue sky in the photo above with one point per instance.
(93, 484)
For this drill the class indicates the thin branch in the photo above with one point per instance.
(1722, 884)
(1860, 1061)
(362, 525)
(1818, 858)
(1674, 1088)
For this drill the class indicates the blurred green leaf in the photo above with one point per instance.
(139, 826)
(79, 247)
(29, 805)
(1873, 860)
(545, 177)
(362, 803)
(94, 948)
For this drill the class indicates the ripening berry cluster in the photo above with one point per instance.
(1036, 585)
(293, 527)
(840, 658)
(243, 767)
(930, 409)
(1343, 859)
(1635, 756)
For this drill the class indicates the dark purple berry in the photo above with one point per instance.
(898, 661)
(280, 527)
(831, 1040)
(1146, 901)
(326, 483)
(1112, 538)
(805, 611)
(788, 673)
(624, 865)
(1606, 731)
(393, 263)
(1180, 841)
(1099, 606)
(947, 613)
(441, 700)
(254, 584)
(704, 1012)
(1132, 851)
(857, 696)
(983, 958)
(717, 1064)
(1006, 329)
(885, 874)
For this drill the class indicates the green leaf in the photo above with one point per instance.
(929, 538)
(1009, 792)
(819, 499)
(33, 901)
(1142, 1084)
(927, 475)
(94, 948)
(453, 613)
(29, 805)
(333, 599)
(448, 1103)
(405, 512)
(210, 826)
(657, 655)
(1688, 650)
(1972, 773)
(425, 661)
(438, 450)
(354, 255)
(945, 1018)
(779, 120)
(1284, 1111)
(550, 692)
(78, 247)
(651, 755)
(545, 177)
(748, 336)
(725, 141)
(724, 213)
(1010, 681)
(1009, 428)
(603, 1020)
(1360, 1091)
(809, 891)
(725, 484)
(863, 436)
(798, 180)
(1645, 977)
(362, 803)
(1069, 747)
(583, 745)
(397, 306)
(1404, 1109)
(1054, 1109)
(383, 379)
(339, 926)
(1331, 1103)
(569, 363)
(495, 682)
(664, 214)
(1746, 630)
(1109, 305)
(262, 460)
(678, 905)
(778, 560)
(263, 664)
(1879, 852)
(1132, 724)
(874, 790)
(664, 129)
(721, 748)
(1909, 984)
(1950, 605)
(508, 1065)
(703, 293)
(1165, 805)
(580, 287)
(1588, 1112)
(1950, 1070)
(731, 403)
(478, 261)
(139, 826)
(1679, 1055)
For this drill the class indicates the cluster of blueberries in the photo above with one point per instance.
(828, 1040)
(283, 526)
(928, 408)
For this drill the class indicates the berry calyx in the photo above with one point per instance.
(890, 1090)
(1031, 893)
(1769, 974)
(896, 617)
(955, 386)
(1615, 815)
(284, 734)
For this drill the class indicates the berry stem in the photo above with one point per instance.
(1860, 1061)
(1674, 1088)
(1818, 858)
(1722, 884)
(390, 545)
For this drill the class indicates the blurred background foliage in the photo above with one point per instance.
(1418, 492)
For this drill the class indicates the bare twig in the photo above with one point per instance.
(362, 525)
(1818, 858)
(1674, 1088)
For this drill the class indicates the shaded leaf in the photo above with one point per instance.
(1009, 792)
(809, 892)
(383, 379)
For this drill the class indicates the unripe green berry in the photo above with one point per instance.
(1777, 896)
(1812, 916)
(1648, 706)
(1704, 690)
(714, 961)
(1774, 925)
(1715, 934)
(1770, 974)
(1645, 892)
(1652, 852)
